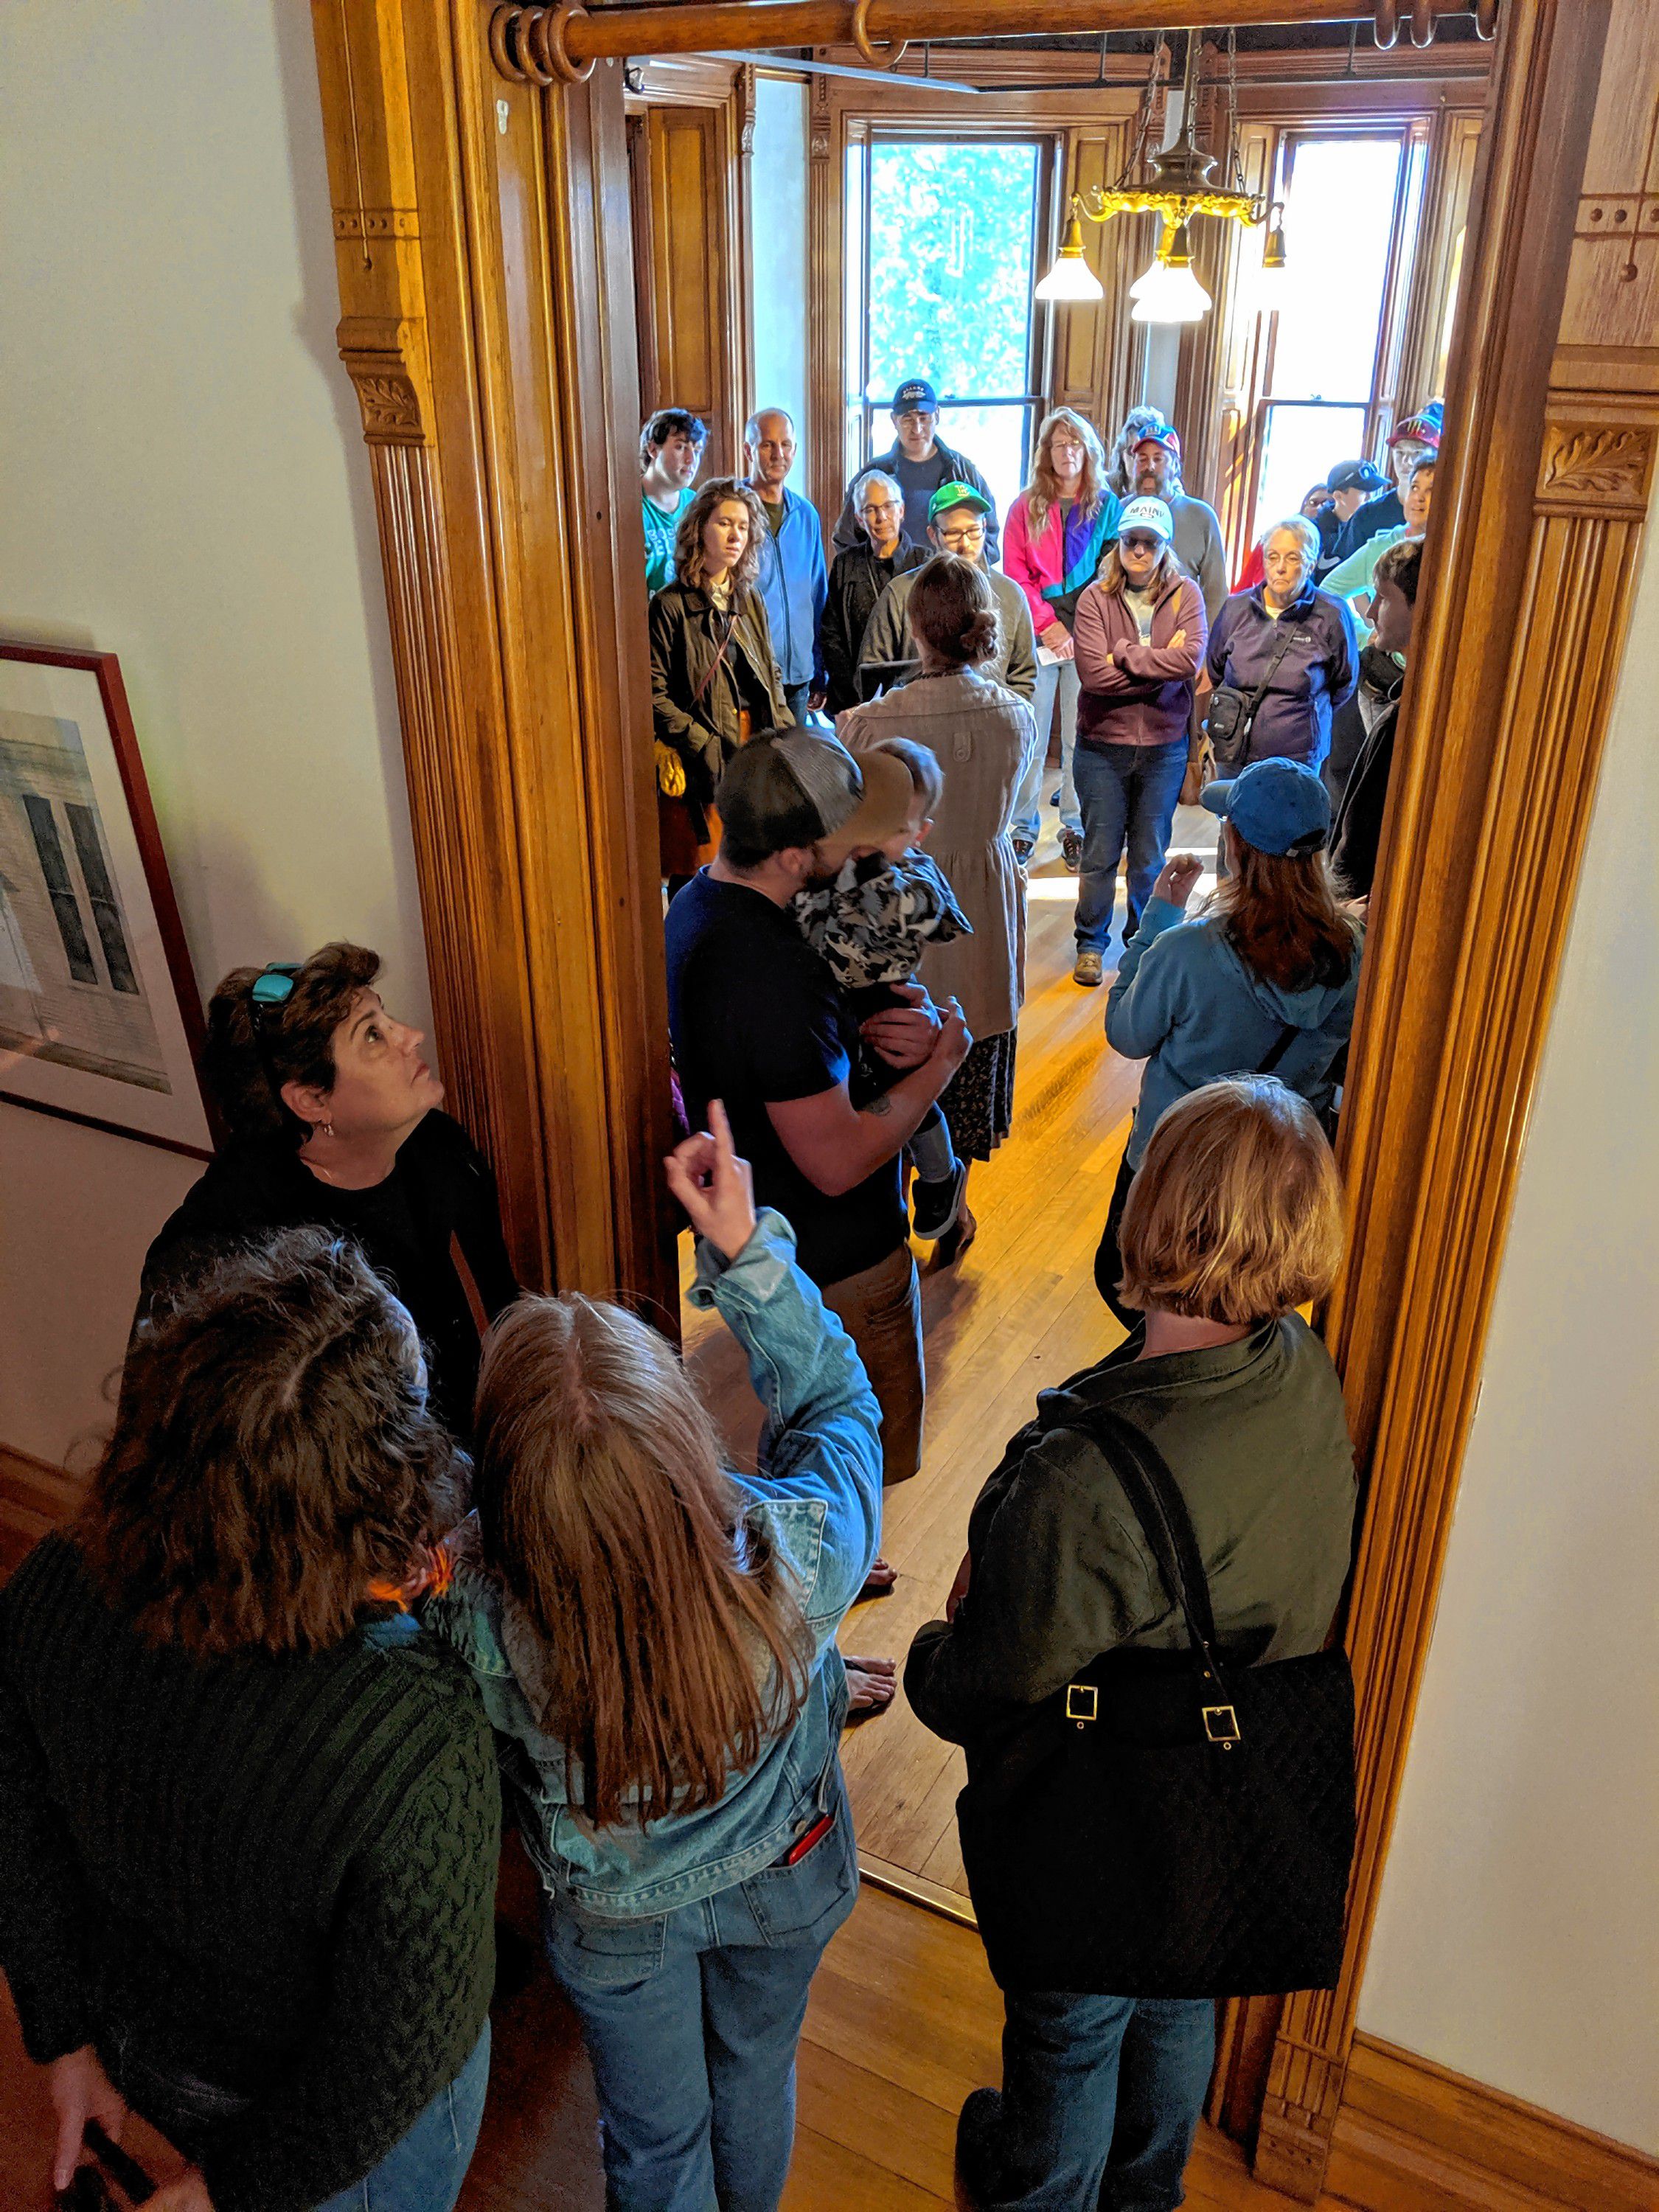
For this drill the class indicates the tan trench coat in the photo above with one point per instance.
(982, 738)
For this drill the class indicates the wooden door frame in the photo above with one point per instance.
(501, 441)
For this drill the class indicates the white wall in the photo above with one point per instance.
(778, 252)
(184, 485)
(1518, 1936)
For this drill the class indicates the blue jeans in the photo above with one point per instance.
(1060, 676)
(1128, 795)
(691, 2019)
(1101, 2099)
(422, 2173)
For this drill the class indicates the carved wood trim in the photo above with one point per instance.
(1506, 709)
(826, 170)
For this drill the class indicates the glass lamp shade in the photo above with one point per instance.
(1070, 277)
(1165, 294)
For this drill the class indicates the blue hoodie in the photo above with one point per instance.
(795, 585)
(1187, 1004)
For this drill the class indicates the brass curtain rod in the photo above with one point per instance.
(565, 41)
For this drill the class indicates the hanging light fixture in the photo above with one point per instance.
(1177, 185)
(1070, 277)
(1169, 292)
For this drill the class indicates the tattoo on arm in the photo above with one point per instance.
(882, 1105)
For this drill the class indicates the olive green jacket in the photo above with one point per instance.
(1254, 1434)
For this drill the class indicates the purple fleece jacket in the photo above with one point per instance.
(1143, 695)
(1317, 675)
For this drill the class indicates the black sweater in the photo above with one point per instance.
(277, 1876)
(441, 1186)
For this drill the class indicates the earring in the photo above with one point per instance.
(322, 1128)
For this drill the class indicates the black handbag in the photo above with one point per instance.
(1230, 715)
(1172, 1824)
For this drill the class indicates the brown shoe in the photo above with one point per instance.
(1090, 969)
(1071, 849)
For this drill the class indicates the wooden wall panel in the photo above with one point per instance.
(1455, 146)
(697, 345)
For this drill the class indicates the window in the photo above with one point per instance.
(1347, 201)
(60, 887)
(940, 252)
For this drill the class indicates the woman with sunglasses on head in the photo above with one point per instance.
(250, 1818)
(1139, 645)
(333, 1116)
(654, 1639)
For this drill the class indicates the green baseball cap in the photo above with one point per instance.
(956, 495)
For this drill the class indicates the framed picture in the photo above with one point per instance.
(99, 1020)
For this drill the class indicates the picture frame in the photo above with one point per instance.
(100, 1021)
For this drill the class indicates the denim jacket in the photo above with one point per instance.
(819, 1496)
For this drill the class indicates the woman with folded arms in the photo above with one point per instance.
(654, 1639)
(249, 1812)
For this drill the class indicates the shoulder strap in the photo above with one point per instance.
(713, 668)
(1281, 646)
(1276, 1050)
(1156, 1501)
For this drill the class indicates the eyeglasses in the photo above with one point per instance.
(1136, 544)
(89, 2190)
(962, 534)
(879, 506)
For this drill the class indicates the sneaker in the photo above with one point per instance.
(1023, 848)
(933, 1206)
(1071, 848)
(975, 2179)
(1090, 969)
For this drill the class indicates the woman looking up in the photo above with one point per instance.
(983, 738)
(654, 1640)
(1236, 1220)
(1058, 532)
(713, 677)
(1265, 978)
(334, 1117)
(1141, 634)
(249, 1813)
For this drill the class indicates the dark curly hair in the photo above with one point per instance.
(250, 1053)
(272, 1457)
(688, 539)
(665, 424)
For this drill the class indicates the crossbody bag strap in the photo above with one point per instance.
(713, 668)
(1276, 1050)
(1281, 646)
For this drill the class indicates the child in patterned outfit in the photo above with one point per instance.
(872, 924)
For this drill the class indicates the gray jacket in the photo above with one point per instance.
(887, 636)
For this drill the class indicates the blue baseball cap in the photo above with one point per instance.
(916, 391)
(1277, 805)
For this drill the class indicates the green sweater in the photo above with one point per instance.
(1255, 1435)
(276, 1875)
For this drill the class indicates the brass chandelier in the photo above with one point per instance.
(1177, 182)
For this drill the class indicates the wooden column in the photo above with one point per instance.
(1547, 473)
(480, 262)
(825, 386)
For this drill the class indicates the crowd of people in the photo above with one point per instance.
(380, 1546)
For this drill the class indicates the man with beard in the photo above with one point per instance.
(1198, 544)
(921, 461)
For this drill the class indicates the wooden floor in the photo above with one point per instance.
(1020, 1312)
(903, 2022)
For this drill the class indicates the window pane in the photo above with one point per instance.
(996, 440)
(950, 240)
(1302, 443)
(1338, 221)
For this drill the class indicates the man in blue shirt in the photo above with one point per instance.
(793, 581)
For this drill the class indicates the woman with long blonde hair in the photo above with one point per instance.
(653, 1639)
(1058, 531)
(1265, 978)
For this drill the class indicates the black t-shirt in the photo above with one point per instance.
(756, 1016)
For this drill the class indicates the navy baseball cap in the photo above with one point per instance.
(1351, 476)
(915, 392)
(1277, 805)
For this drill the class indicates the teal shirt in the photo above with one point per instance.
(662, 528)
(1353, 578)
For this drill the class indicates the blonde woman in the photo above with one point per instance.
(714, 675)
(654, 1642)
(1140, 635)
(1235, 1219)
(1057, 533)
